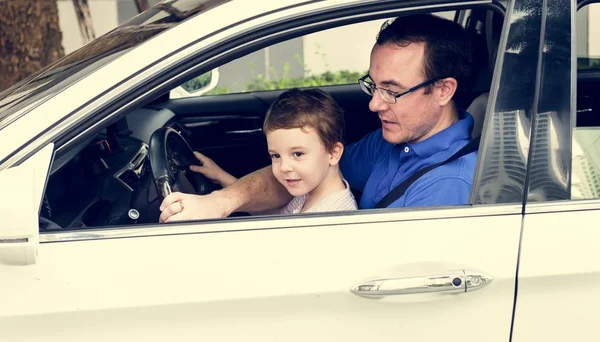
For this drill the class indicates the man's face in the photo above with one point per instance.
(414, 115)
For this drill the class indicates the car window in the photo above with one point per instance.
(318, 59)
(110, 174)
(586, 133)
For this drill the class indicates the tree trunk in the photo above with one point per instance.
(141, 5)
(84, 17)
(30, 38)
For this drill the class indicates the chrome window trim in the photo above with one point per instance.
(562, 206)
(316, 220)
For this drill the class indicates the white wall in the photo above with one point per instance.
(104, 19)
(341, 48)
(594, 30)
(346, 47)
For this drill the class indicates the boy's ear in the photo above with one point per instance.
(336, 153)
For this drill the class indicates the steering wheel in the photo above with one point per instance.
(170, 157)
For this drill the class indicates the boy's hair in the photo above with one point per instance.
(314, 108)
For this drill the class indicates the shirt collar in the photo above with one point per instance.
(460, 130)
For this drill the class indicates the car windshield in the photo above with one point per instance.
(75, 66)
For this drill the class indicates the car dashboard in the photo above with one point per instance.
(94, 183)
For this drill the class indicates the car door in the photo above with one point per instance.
(422, 274)
(558, 293)
(280, 278)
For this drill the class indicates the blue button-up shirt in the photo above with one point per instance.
(375, 167)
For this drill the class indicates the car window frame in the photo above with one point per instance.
(121, 110)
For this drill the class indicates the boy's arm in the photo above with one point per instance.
(212, 171)
(257, 192)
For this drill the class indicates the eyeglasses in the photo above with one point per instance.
(388, 95)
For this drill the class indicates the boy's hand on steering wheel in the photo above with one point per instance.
(212, 171)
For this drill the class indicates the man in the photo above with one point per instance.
(416, 66)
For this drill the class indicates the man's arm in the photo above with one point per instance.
(257, 192)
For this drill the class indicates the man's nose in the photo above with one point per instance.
(377, 104)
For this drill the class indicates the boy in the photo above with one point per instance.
(304, 131)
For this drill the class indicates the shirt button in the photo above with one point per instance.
(406, 149)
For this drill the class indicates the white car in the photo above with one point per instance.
(82, 257)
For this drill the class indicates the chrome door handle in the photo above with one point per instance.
(452, 282)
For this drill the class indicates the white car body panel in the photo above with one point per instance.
(269, 284)
(558, 292)
(19, 236)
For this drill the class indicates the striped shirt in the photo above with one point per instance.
(338, 201)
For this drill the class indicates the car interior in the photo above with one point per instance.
(113, 172)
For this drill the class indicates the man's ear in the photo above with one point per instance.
(445, 89)
(336, 153)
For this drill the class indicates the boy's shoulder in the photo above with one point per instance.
(339, 201)
(294, 206)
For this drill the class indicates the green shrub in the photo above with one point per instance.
(197, 82)
(324, 79)
(285, 82)
(274, 82)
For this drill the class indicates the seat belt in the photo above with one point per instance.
(399, 190)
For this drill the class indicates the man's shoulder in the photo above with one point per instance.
(448, 184)
(461, 168)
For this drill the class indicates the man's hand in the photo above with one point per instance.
(179, 207)
(257, 192)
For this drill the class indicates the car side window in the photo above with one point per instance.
(319, 59)
(586, 133)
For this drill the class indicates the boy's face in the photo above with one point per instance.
(300, 161)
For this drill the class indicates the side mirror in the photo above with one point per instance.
(197, 86)
(23, 188)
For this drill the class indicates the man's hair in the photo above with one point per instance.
(448, 47)
(314, 108)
